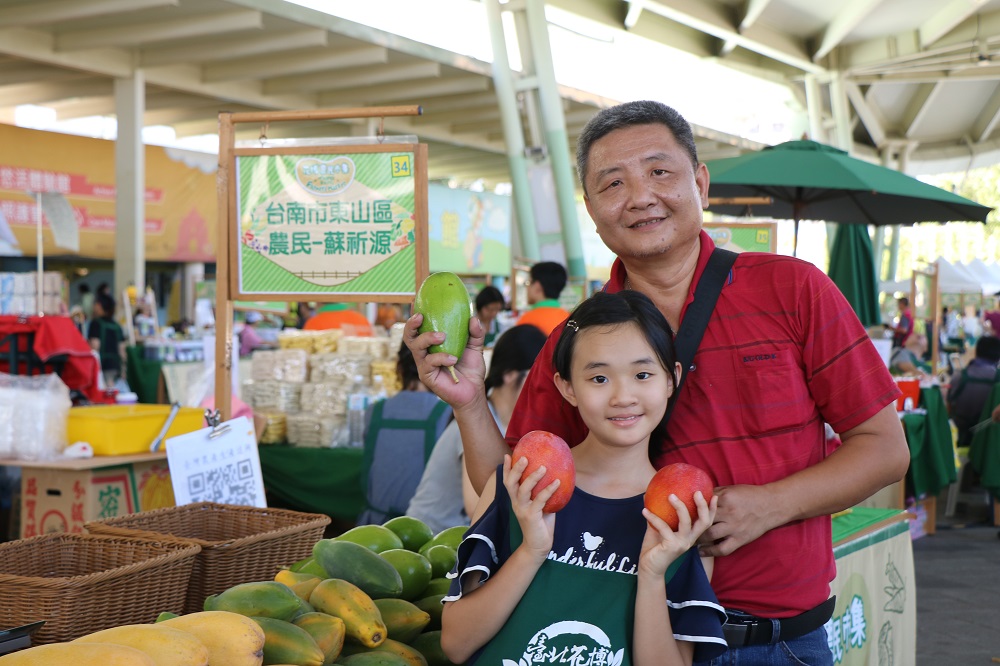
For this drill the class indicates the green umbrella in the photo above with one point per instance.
(852, 270)
(807, 180)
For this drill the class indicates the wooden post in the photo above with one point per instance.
(223, 305)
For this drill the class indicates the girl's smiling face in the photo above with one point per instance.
(617, 383)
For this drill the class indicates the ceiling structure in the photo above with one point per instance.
(917, 81)
(914, 83)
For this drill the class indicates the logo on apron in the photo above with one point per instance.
(570, 642)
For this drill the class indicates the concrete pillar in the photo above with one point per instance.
(130, 184)
(554, 127)
(503, 82)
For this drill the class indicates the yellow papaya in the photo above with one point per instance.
(79, 654)
(362, 620)
(232, 639)
(403, 621)
(167, 646)
(300, 583)
(284, 643)
(327, 630)
(259, 599)
(359, 566)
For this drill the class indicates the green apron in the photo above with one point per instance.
(569, 614)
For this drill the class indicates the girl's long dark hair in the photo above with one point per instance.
(623, 307)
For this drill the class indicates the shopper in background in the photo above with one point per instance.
(908, 360)
(86, 300)
(902, 328)
(548, 279)
(489, 303)
(399, 436)
(249, 338)
(107, 339)
(971, 386)
(445, 496)
(387, 315)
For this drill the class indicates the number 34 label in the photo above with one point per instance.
(401, 166)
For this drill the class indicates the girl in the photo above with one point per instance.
(593, 583)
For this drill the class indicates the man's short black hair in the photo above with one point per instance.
(551, 275)
(988, 348)
(107, 304)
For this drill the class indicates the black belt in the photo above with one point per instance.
(742, 629)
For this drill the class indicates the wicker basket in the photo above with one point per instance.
(81, 583)
(239, 544)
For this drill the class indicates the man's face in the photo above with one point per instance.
(643, 193)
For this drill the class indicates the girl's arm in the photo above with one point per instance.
(653, 642)
(472, 621)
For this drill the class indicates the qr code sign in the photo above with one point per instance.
(222, 468)
(232, 483)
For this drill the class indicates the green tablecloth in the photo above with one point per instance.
(850, 524)
(326, 481)
(984, 451)
(142, 375)
(932, 452)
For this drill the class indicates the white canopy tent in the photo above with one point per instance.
(955, 279)
(987, 274)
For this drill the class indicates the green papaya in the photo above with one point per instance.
(359, 566)
(413, 569)
(410, 656)
(308, 565)
(451, 537)
(429, 645)
(375, 538)
(432, 606)
(437, 586)
(413, 532)
(166, 615)
(403, 621)
(444, 302)
(263, 599)
(442, 559)
(373, 658)
(285, 643)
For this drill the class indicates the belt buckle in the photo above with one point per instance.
(741, 628)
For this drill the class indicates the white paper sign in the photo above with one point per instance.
(222, 468)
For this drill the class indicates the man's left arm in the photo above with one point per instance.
(872, 455)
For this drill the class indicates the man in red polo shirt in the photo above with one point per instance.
(783, 354)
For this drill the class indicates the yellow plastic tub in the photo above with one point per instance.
(119, 430)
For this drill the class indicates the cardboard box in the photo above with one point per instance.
(60, 496)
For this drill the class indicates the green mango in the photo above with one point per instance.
(445, 304)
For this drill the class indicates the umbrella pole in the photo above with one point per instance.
(795, 243)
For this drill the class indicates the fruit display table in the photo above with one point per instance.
(875, 619)
(326, 481)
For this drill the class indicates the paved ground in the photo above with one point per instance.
(958, 591)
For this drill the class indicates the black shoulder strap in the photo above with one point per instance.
(696, 317)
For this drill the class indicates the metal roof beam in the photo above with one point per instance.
(37, 12)
(39, 46)
(187, 78)
(228, 49)
(946, 19)
(340, 79)
(491, 112)
(713, 19)
(752, 10)
(919, 106)
(208, 25)
(27, 72)
(987, 119)
(392, 92)
(869, 116)
(298, 62)
(43, 93)
(847, 19)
